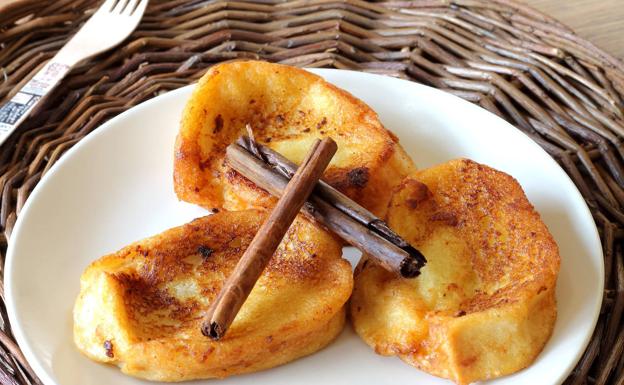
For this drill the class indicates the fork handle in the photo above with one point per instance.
(16, 110)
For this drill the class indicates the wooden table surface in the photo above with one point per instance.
(599, 21)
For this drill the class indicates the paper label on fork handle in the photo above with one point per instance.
(16, 109)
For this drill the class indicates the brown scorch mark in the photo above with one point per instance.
(445, 217)
(321, 123)
(218, 124)
(204, 164)
(358, 177)
(419, 194)
(108, 346)
(204, 251)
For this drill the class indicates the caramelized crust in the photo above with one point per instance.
(484, 305)
(141, 307)
(288, 108)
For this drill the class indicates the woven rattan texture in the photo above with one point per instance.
(524, 66)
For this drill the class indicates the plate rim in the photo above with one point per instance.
(19, 332)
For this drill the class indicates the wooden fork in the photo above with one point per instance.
(110, 25)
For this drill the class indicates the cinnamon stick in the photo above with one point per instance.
(337, 199)
(353, 223)
(242, 280)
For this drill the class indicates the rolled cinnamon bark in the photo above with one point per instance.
(242, 280)
(334, 197)
(356, 225)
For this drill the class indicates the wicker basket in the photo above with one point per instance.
(522, 65)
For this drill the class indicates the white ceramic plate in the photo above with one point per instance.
(115, 187)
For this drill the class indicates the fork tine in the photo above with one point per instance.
(119, 7)
(140, 8)
(129, 8)
(106, 6)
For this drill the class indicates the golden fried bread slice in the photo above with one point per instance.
(484, 305)
(288, 108)
(141, 307)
